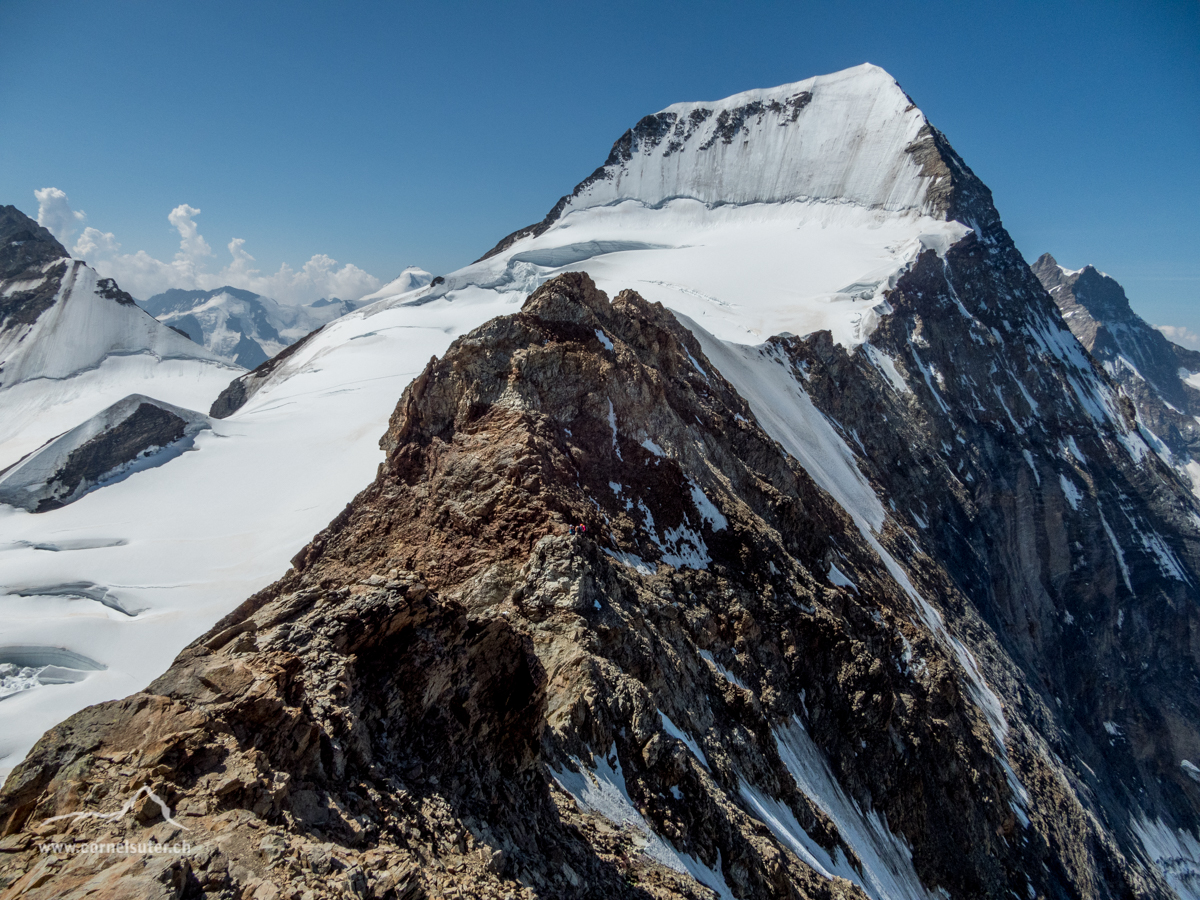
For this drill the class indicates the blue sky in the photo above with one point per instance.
(388, 134)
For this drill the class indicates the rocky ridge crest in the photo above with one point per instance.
(1135, 355)
(449, 693)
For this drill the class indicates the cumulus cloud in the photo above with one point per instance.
(1181, 334)
(55, 213)
(192, 245)
(94, 242)
(144, 276)
(319, 277)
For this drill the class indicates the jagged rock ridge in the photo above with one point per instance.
(438, 693)
(1135, 355)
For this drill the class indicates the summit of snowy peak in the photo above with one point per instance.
(865, 77)
(410, 279)
(853, 137)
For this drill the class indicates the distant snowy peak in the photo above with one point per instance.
(851, 137)
(411, 279)
(240, 326)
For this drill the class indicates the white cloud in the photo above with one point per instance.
(1181, 334)
(319, 277)
(144, 276)
(94, 242)
(192, 246)
(55, 213)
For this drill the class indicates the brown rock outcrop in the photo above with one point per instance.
(450, 695)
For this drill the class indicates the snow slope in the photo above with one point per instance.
(84, 353)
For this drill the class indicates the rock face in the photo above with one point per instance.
(1136, 356)
(135, 433)
(1022, 468)
(30, 268)
(727, 687)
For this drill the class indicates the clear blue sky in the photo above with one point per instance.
(384, 134)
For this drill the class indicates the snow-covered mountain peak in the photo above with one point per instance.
(240, 326)
(865, 77)
(852, 138)
(833, 137)
(411, 279)
(58, 317)
(827, 189)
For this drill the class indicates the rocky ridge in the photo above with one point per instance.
(1022, 466)
(30, 268)
(134, 433)
(449, 693)
(1135, 355)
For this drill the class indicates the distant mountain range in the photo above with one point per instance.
(246, 328)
